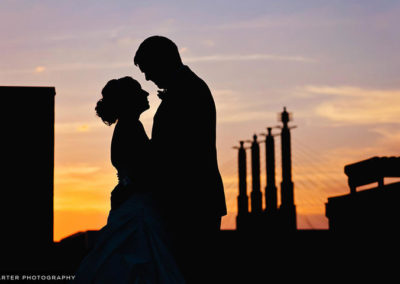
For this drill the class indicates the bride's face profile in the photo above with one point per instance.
(134, 100)
(141, 100)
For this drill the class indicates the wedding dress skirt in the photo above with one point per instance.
(131, 248)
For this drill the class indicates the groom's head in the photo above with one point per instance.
(158, 58)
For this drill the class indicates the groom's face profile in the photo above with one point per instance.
(153, 74)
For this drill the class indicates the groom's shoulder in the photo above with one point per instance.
(195, 83)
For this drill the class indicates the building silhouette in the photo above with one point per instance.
(27, 146)
(72, 249)
(372, 211)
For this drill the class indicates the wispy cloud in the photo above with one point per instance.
(247, 57)
(79, 185)
(351, 91)
(389, 140)
(81, 66)
(349, 104)
(208, 43)
(40, 69)
(76, 170)
(183, 50)
(232, 108)
(313, 18)
(76, 127)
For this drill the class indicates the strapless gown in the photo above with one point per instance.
(132, 248)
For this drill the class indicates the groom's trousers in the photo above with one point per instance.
(195, 246)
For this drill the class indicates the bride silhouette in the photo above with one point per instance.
(133, 246)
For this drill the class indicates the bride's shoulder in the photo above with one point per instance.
(133, 130)
(127, 126)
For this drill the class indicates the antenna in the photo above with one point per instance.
(285, 116)
(241, 145)
(270, 131)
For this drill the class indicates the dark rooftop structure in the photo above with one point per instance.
(27, 146)
(373, 210)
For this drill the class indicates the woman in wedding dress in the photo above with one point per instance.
(133, 246)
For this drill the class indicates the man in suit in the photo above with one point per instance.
(188, 182)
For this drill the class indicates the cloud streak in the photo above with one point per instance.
(247, 57)
(232, 108)
(80, 66)
(357, 105)
(77, 127)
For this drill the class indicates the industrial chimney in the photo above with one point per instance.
(243, 201)
(256, 197)
(287, 210)
(271, 200)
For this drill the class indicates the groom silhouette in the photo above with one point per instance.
(188, 183)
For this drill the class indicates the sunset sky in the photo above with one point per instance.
(334, 64)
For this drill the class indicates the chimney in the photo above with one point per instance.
(271, 200)
(243, 201)
(287, 210)
(256, 197)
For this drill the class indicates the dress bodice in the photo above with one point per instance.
(130, 151)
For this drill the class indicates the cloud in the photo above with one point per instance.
(208, 43)
(80, 127)
(80, 185)
(350, 91)
(83, 128)
(317, 17)
(389, 140)
(183, 50)
(77, 170)
(80, 66)
(247, 57)
(69, 67)
(232, 108)
(40, 69)
(349, 104)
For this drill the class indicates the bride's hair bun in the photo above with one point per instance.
(114, 97)
(106, 106)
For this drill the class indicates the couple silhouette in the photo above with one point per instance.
(167, 206)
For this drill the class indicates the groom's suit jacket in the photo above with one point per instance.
(184, 143)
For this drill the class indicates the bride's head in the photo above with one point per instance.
(122, 97)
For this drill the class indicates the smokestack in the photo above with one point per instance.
(271, 199)
(287, 209)
(243, 201)
(256, 197)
